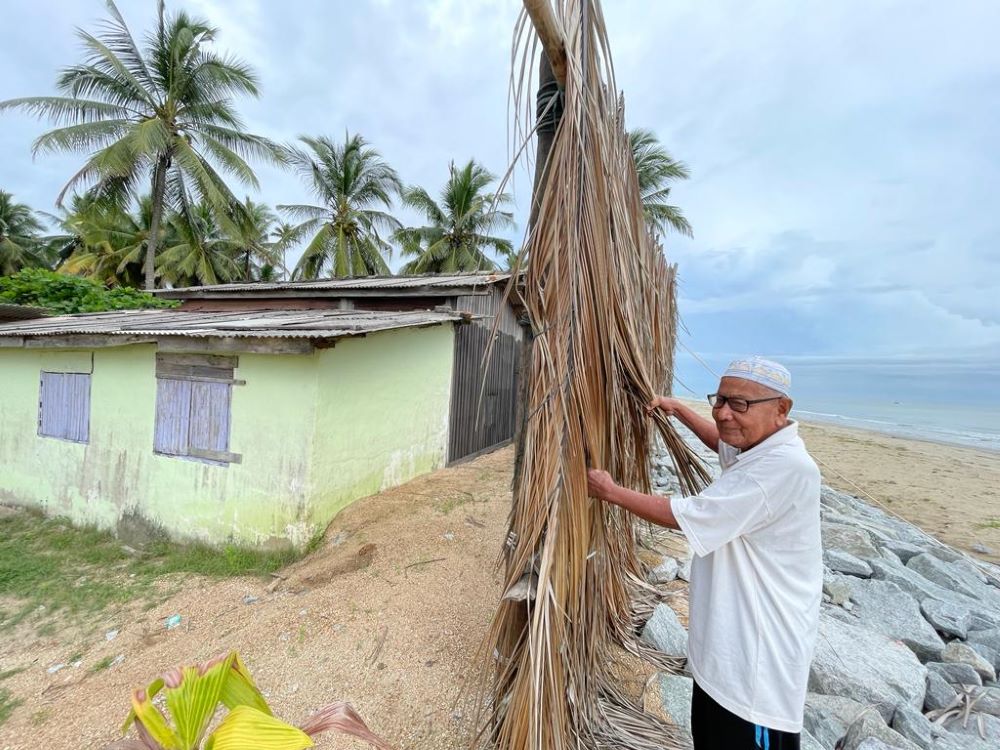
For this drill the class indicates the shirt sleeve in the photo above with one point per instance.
(733, 505)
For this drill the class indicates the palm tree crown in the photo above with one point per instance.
(460, 227)
(163, 113)
(656, 169)
(19, 230)
(350, 181)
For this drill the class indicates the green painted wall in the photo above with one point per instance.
(382, 413)
(315, 432)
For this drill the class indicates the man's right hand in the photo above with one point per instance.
(666, 404)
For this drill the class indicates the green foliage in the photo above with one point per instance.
(21, 244)
(656, 169)
(157, 117)
(63, 294)
(350, 181)
(460, 227)
(193, 695)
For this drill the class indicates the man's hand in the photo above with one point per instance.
(666, 404)
(600, 484)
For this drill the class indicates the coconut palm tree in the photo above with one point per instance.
(108, 242)
(154, 118)
(657, 169)
(20, 244)
(252, 233)
(283, 237)
(352, 183)
(460, 227)
(198, 252)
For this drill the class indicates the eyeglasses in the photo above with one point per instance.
(738, 405)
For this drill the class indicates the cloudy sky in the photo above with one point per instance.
(844, 158)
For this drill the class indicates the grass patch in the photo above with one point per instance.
(7, 705)
(101, 665)
(52, 567)
(990, 523)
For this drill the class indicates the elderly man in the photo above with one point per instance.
(757, 572)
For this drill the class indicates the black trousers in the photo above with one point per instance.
(715, 728)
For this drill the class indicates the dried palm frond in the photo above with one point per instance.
(600, 298)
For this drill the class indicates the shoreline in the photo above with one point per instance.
(946, 489)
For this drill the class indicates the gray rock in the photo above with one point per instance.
(946, 574)
(981, 549)
(844, 562)
(870, 725)
(987, 653)
(947, 617)
(909, 580)
(824, 728)
(922, 589)
(874, 743)
(913, 725)
(837, 588)
(955, 674)
(988, 637)
(808, 742)
(850, 539)
(884, 607)
(977, 726)
(685, 572)
(944, 554)
(675, 693)
(963, 653)
(862, 664)
(665, 572)
(947, 741)
(664, 632)
(828, 716)
(903, 550)
(988, 701)
(939, 693)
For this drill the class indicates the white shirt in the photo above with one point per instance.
(756, 579)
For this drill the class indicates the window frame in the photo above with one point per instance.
(197, 373)
(42, 410)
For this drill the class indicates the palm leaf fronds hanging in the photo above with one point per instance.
(600, 298)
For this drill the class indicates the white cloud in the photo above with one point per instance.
(843, 154)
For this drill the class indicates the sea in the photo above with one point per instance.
(940, 399)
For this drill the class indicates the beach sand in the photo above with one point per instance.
(949, 491)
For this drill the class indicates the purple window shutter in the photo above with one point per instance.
(64, 406)
(173, 416)
(78, 402)
(210, 416)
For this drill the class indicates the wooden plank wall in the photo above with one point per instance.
(479, 424)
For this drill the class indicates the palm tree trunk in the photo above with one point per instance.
(159, 190)
(548, 112)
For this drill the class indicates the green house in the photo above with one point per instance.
(254, 427)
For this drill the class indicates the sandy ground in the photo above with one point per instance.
(390, 611)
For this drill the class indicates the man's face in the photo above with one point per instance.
(758, 423)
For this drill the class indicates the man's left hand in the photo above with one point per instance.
(600, 484)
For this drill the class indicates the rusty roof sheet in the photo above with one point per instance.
(304, 324)
(388, 284)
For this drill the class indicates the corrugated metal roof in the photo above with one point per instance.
(306, 324)
(10, 311)
(385, 283)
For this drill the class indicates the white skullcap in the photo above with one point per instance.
(763, 371)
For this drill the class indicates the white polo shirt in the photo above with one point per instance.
(756, 579)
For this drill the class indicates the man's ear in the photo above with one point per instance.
(784, 407)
